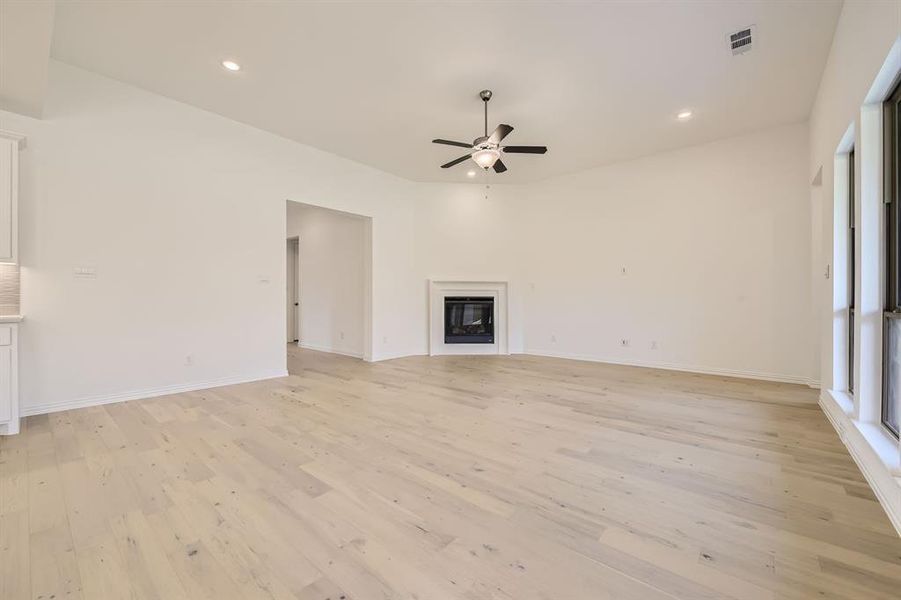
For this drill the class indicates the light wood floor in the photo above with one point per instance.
(482, 478)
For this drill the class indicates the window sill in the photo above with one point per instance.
(883, 444)
(874, 450)
(844, 400)
(880, 441)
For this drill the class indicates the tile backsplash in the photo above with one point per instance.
(9, 289)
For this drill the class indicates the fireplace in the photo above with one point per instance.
(468, 320)
(449, 318)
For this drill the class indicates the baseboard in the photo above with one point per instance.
(880, 478)
(85, 402)
(329, 349)
(777, 377)
(762, 376)
(381, 357)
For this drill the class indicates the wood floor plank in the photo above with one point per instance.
(47, 509)
(103, 571)
(15, 566)
(199, 573)
(54, 565)
(149, 571)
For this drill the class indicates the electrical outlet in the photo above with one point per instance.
(189, 360)
(341, 334)
(654, 345)
(624, 342)
(384, 339)
(553, 339)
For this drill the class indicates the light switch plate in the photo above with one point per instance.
(85, 273)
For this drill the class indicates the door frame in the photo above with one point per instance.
(294, 244)
(368, 337)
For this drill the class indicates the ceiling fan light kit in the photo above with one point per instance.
(486, 158)
(486, 150)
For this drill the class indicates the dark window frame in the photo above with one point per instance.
(891, 189)
(852, 269)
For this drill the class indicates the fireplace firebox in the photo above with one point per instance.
(468, 320)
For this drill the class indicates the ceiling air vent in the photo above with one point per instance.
(741, 41)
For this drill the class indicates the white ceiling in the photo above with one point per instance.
(375, 82)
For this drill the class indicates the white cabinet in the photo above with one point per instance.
(9, 378)
(10, 144)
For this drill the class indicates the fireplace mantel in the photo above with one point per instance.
(440, 288)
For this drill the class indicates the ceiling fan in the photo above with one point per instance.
(486, 150)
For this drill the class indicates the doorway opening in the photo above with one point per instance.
(328, 283)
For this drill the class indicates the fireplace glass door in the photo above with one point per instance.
(468, 320)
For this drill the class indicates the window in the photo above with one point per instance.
(852, 269)
(891, 351)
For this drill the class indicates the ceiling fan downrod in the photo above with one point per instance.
(485, 95)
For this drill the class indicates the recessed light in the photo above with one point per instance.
(231, 65)
(684, 115)
(470, 173)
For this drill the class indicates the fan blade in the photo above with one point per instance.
(500, 133)
(499, 166)
(525, 149)
(456, 161)
(452, 143)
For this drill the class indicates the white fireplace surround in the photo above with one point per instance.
(440, 288)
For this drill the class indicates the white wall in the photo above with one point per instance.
(182, 213)
(863, 37)
(332, 276)
(463, 236)
(864, 59)
(715, 241)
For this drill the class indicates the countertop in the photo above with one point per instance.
(11, 318)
